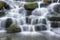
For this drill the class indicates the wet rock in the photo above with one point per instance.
(57, 8)
(30, 6)
(43, 21)
(30, 0)
(29, 12)
(8, 22)
(47, 1)
(54, 18)
(14, 28)
(35, 21)
(4, 5)
(54, 0)
(44, 4)
(54, 24)
(40, 28)
(2, 14)
(28, 21)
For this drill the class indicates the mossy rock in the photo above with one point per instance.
(31, 6)
(4, 5)
(14, 28)
(8, 22)
(30, 0)
(47, 1)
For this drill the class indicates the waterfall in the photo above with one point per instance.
(18, 14)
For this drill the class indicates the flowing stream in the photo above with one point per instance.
(38, 23)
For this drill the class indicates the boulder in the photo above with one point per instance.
(4, 5)
(57, 8)
(8, 22)
(40, 28)
(14, 28)
(30, 6)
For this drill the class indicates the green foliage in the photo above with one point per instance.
(31, 6)
(14, 28)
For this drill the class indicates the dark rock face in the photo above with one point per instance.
(13, 29)
(35, 21)
(57, 8)
(54, 0)
(54, 18)
(2, 14)
(4, 5)
(28, 21)
(54, 21)
(8, 22)
(43, 21)
(40, 28)
(54, 24)
(44, 5)
(29, 12)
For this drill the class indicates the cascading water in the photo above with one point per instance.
(18, 14)
(38, 20)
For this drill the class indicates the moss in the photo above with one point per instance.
(13, 29)
(4, 4)
(31, 6)
(1, 5)
(30, 0)
(47, 0)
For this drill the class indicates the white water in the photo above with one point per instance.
(18, 14)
